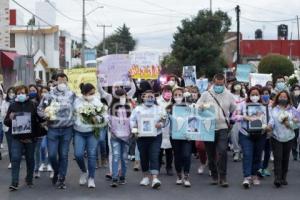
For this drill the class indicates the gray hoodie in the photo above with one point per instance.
(65, 111)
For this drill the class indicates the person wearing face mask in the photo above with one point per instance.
(280, 85)
(84, 137)
(45, 166)
(266, 101)
(224, 104)
(23, 138)
(252, 142)
(10, 99)
(165, 101)
(119, 127)
(295, 96)
(149, 146)
(1, 124)
(239, 97)
(60, 127)
(284, 118)
(182, 148)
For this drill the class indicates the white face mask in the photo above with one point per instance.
(11, 95)
(237, 87)
(122, 101)
(254, 99)
(62, 87)
(178, 100)
(297, 93)
(89, 98)
(171, 83)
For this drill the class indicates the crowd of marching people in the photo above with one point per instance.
(105, 128)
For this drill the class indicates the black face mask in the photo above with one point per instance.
(283, 102)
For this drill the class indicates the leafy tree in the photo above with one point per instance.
(199, 41)
(278, 65)
(121, 41)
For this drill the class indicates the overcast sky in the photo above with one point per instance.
(153, 22)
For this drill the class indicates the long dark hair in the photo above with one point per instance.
(7, 92)
(38, 96)
(275, 103)
(232, 90)
(115, 105)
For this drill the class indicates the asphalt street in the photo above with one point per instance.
(200, 190)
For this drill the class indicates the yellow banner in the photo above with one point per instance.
(81, 75)
(146, 73)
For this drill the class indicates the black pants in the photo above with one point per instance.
(169, 158)
(182, 155)
(149, 148)
(217, 154)
(295, 149)
(281, 152)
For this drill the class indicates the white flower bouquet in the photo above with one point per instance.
(283, 116)
(51, 110)
(92, 114)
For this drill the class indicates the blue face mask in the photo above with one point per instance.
(149, 102)
(219, 89)
(265, 98)
(32, 95)
(280, 86)
(21, 98)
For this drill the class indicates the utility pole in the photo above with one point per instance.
(83, 34)
(298, 27)
(103, 42)
(238, 11)
(210, 5)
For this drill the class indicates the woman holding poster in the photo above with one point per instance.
(147, 121)
(182, 148)
(22, 120)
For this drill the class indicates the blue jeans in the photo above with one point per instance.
(86, 141)
(267, 154)
(37, 154)
(1, 133)
(8, 139)
(17, 149)
(44, 157)
(58, 144)
(149, 148)
(102, 144)
(119, 155)
(252, 152)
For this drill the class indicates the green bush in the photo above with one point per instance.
(277, 65)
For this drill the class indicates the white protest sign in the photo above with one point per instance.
(259, 79)
(113, 69)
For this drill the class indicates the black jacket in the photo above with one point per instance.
(28, 107)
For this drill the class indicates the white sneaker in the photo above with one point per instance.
(255, 180)
(272, 157)
(1, 146)
(186, 182)
(51, 175)
(37, 174)
(145, 181)
(201, 169)
(9, 166)
(179, 181)
(156, 183)
(42, 167)
(91, 183)
(49, 168)
(83, 179)
(247, 182)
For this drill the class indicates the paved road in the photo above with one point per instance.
(200, 190)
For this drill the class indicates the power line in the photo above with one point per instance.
(269, 21)
(135, 11)
(32, 13)
(162, 7)
(61, 13)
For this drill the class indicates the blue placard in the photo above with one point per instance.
(189, 123)
(202, 85)
(243, 72)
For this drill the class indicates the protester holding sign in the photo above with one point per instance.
(182, 148)
(295, 96)
(119, 125)
(223, 102)
(22, 120)
(147, 121)
(252, 136)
